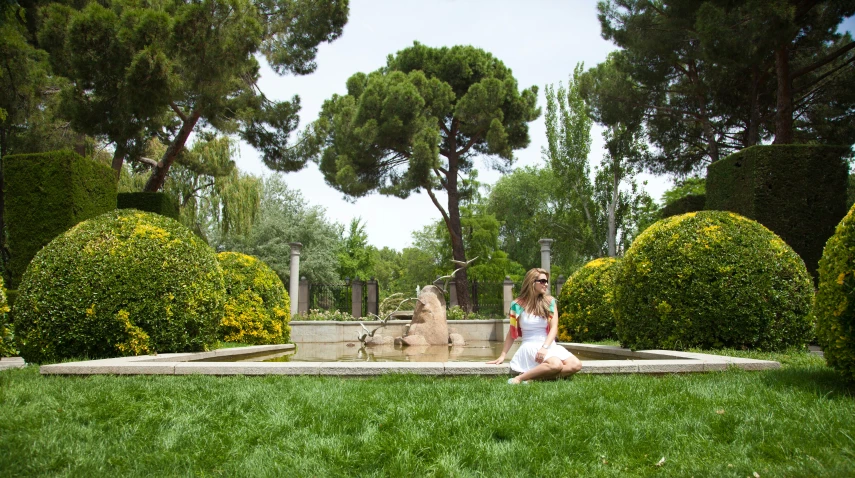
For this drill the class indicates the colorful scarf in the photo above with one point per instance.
(516, 312)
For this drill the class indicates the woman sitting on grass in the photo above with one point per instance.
(538, 357)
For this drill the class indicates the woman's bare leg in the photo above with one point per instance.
(546, 370)
(570, 366)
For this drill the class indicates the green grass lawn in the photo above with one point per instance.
(796, 421)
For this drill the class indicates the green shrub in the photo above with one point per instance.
(46, 194)
(835, 314)
(688, 203)
(798, 191)
(455, 313)
(123, 283)
(586, 301)
(7, 345)
(158, 203)
(712, 279)
(257, 309)
(334, 315)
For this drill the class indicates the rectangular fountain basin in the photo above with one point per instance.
(619, 361)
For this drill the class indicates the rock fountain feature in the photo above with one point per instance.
(429, 325)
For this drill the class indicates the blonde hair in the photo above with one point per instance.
(530, 299)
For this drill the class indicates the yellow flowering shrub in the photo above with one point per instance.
(7, 346)
(123, 283)
(586, 301)
(258, 309)
(835, 319)
(712, 279)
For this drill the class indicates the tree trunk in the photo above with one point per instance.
(458, 252)
(158, 175)
(4, 148)
(753, 130)
(784, 113)
(612, 237)
(119, 158)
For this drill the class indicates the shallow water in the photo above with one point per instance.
(351, 352)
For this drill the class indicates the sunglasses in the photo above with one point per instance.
(542, 281)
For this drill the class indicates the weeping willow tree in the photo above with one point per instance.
(215, 199)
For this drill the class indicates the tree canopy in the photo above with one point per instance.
(418, 124)
(139, 70)
(716, 76)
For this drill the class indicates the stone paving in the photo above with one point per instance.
(649, 361)
(11, 362)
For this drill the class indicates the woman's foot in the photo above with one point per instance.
(516, 381)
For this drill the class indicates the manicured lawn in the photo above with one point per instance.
(797, 421)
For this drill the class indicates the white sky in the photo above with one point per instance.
(540, 40)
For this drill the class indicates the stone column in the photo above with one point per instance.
(373, 296)
(559, 284)
(303, 297)
(293, 290)
(502, 326)
(452, 294)
(545, 253)
(356, 298)
(507, 294)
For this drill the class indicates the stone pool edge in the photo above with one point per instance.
(656, 361)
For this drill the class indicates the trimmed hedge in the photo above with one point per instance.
(796, 190)
(123, 283)
(687, 203)
(712, 279)
(835, 313)
(585, 304)
(258, 308)
(46, 194)
(7, 345)
(158, 203)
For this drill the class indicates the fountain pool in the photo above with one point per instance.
(242, 361)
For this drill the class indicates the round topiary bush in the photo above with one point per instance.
(712, 279)
(835, 314)
(586, 301)
(258, 308)
(123, 283)
(7, 346)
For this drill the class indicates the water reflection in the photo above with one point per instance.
(351, 352)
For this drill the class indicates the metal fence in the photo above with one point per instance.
(487, 297)
(330, 296)
(338, 296)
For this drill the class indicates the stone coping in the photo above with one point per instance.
(11, 362)
(656, 361)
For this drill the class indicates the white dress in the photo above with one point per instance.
(533, 336)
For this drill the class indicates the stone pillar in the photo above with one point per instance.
(293, 290)
(507, 294)
(452, 294)
(356, 298)
(303, 297)
(373, 296)
(559, 284)
(502, 326)
(545, 253)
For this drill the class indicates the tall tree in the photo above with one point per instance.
(163, 69)
(524, 204)
(568, 137)
(717, 76)
(285, 217)
(356, 257)
(622, 203)
(417, 125)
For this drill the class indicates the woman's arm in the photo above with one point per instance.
(509, 341)
(550, 337)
